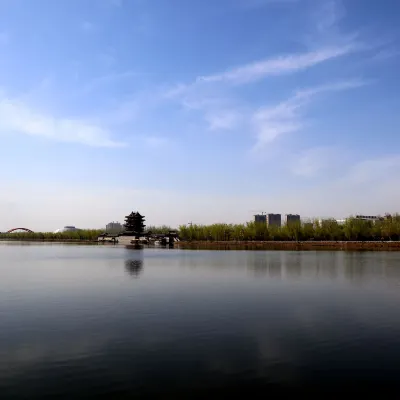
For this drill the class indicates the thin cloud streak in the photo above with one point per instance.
(331, 87)
(219, 116)
(222, 120)
(278, 66)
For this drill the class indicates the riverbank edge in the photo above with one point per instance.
(48, 240)
(250, 245)
(290, 245)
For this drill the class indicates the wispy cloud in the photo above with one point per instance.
(286, 117)
(306, 94)
(328, 14)
(209, 93)
(314, 162)
(324, 28)
(279, 65)
(222, 120)
(273, 66)
(16, 117)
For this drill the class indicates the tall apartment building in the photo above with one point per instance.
(260, 218)
(114, 227)
(292, 218)
(274, 220)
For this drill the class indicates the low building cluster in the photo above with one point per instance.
(276, 219)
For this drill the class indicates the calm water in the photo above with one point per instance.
(111, 322)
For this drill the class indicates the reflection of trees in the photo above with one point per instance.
(325, 264)
(263, 263)
(293, 264)
(356, 265)
(370, 266)
(134, 267)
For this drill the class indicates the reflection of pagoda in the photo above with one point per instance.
(134, 267)
(134, 225)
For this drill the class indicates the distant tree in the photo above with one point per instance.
(293, 230)
(308, 230)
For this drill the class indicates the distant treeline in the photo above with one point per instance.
(159, 229)
(353, 229)
(83, 234)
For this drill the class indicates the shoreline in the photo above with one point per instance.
(48, 240)
(250, 245)
(290, 245)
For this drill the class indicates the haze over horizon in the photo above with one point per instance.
(203, 111)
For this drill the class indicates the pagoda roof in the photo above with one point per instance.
(133, 214)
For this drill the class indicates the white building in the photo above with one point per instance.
(372, 218)
(67, 228)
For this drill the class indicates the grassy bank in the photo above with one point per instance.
(353, 229)
(84, 235)
(290, 245)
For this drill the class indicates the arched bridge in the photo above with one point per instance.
(19, 229)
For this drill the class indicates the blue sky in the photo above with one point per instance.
(203, 111)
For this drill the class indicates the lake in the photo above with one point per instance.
(81, 321)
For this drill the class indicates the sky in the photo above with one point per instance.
(197, 111)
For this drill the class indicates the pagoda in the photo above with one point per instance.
(134, 224)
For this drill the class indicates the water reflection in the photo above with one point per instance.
(200, 322)
(134, 261)
(265, 264)
(351, 267)
(134, 267)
